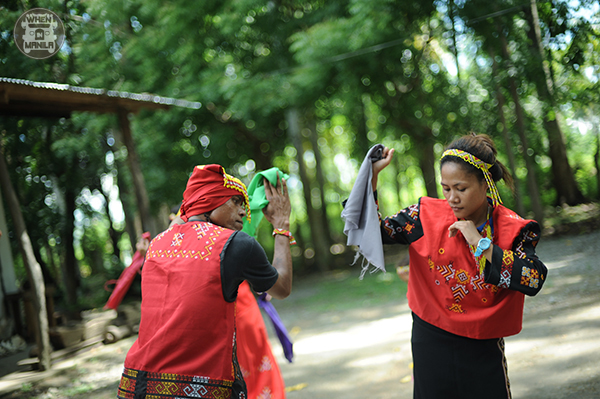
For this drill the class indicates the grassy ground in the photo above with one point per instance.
(343, 290)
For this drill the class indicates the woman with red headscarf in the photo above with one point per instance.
(186, 346)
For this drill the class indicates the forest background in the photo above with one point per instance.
(307, 86)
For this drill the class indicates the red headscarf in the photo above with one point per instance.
(208, 188)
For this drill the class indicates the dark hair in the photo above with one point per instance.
(483, 147)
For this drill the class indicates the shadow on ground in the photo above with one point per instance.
(364, 352)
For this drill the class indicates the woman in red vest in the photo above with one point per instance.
(472, 260)
(186, 347)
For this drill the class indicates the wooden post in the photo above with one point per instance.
(34, 271)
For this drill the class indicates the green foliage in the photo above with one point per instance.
(361, 72)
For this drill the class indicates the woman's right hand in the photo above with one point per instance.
(378, 166)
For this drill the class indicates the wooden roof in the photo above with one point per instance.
(27, 98)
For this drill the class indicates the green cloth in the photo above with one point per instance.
(258, 198)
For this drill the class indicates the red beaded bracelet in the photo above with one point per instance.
(285, 233)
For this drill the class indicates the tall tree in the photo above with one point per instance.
(319, 241)
(564, 182)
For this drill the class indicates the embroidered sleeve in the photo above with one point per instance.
(518, 268)
(402, 228)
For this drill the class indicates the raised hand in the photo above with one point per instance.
(278, 211)
(378, 166)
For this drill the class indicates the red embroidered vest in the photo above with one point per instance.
(186, 342)
(445, 287)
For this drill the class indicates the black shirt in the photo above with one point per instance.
(243, 258)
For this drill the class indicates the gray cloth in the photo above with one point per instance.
(361, 221)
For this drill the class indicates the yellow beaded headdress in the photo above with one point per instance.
(479, 164)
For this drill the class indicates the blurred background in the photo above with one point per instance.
(307, 86)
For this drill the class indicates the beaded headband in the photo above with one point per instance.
(479, 164)
(236, 184)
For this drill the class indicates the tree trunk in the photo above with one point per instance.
(320, 182)
(114, 235)
(72, 275)
(132, 224)
(425, 141)
(319, 241)
(509, 151)
(361, 146)
(139, 185)
(566, 187)
(597, 161)
(34, 271)
(532, 182)
(451, 6)
(427, 161)
(423, 144)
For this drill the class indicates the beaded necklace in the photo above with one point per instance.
(487, 231)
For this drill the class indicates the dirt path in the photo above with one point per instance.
(365, 353)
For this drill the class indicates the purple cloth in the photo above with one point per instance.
(280, 330)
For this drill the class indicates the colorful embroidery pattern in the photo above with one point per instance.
(265, 394)
(532, 237)
(447, 271)
(162, 385)
(529, 277)
(403, 227)
(161, 235)
(456, 308)
(265, 365)
(236, 184)
(461, 284)
(478, 283)
(203, 228)
(462, 276)
(506, 269)
(431, 264)
(127, 384)
(389, 229)
(519, 251)
(177, 240)
(201, 231)
(413, 211)
(459, 291)
(174, 253)
(409, 227)
(204, 231)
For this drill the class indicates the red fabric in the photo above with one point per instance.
(445, 288)
(208, 188)
(125, 279)
(259, 367)
(187, 328)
